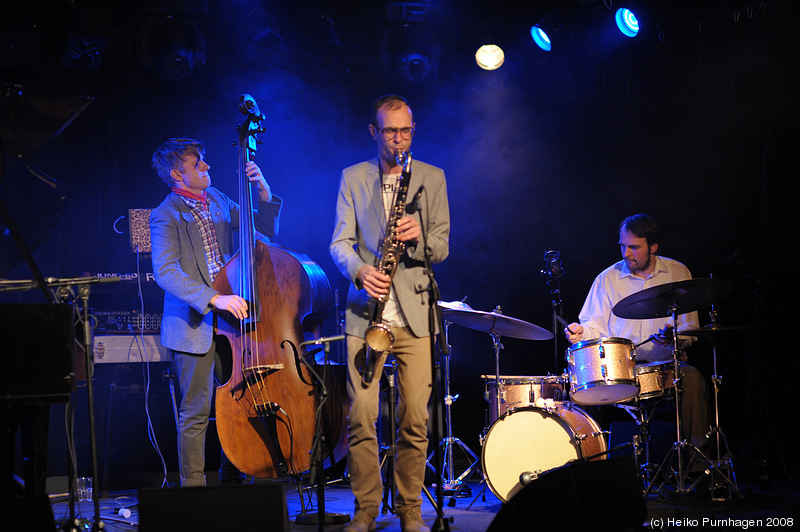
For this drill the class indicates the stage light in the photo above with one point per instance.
(410, 51)
(541, 38)
(627, 23)
(490, 57)
(171, 48)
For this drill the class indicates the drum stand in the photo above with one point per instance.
(723, 461)
(678, 476)
(496, 347)
(457, 485)
(641, 414)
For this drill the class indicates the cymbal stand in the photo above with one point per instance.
(496, 347)
(722, 461)
(679, 475)
(449, 481)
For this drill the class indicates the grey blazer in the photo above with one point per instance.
(359, 231)
(179, 264)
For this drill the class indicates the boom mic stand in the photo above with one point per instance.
(321, 436)
(63, 292)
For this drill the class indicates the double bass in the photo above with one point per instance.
(266, 411)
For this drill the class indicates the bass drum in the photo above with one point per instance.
(536, 440)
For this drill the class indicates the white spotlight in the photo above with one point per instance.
(490, 57)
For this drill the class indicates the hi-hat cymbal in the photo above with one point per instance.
(685, 296)
(493, 322)
(713, 330)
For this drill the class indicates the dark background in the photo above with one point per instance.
(694, 122)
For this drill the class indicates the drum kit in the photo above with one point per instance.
(536, 425)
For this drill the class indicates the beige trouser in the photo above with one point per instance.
(414, 389)
(694, 406)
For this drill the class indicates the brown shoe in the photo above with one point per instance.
(362, 522)
(411, 521)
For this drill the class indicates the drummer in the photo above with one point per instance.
(641, 267)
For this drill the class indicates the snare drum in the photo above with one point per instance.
(537, 440)
(601, 371)
(655, 379)
(520, 391)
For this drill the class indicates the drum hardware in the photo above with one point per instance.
(722, 460)
(674, 299)
(642, 412)
(451, 483)
(496, 324)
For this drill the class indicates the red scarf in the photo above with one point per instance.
(191, 195)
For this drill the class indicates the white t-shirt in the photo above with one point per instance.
(392, 313)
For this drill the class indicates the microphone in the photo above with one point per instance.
(323, 340)
(413, 205)
(553, 267)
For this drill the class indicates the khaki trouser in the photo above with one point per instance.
(414, 389)
(694, 406)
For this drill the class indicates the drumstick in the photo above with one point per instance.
(652, 337)
(565, 324)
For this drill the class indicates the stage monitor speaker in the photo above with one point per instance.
(30, 512)
(586, 496)
(246, 507)
(38, 347)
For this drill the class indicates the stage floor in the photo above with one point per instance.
(775, 508)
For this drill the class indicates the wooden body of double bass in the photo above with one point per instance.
(294, 297)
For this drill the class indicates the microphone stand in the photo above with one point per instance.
(554, 272)
(63, 292)
(317, 470)
(434, 318)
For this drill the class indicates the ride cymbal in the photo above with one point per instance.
(493, 322)
(684, 296)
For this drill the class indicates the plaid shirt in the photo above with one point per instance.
(202, 216)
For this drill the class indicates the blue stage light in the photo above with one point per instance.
(541, 38)
(627, 22)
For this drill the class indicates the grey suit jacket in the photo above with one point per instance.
(359, 232)
(179, 264)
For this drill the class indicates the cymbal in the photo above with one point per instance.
(686, 296)
(492, 322)
(712, 330)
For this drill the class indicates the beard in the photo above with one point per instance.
(638, 267)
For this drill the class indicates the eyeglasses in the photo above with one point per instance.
(390, 132)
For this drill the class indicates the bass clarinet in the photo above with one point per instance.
(379, 336)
